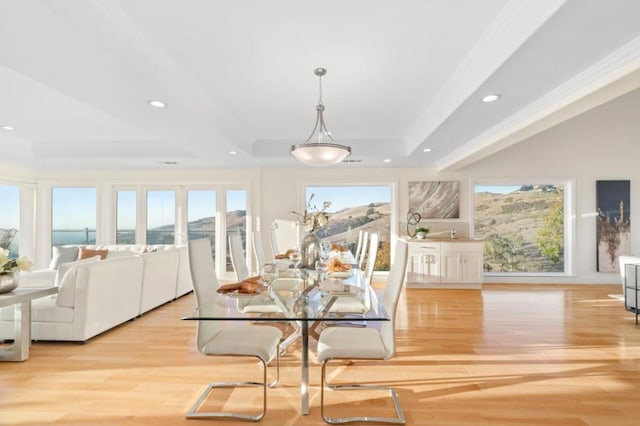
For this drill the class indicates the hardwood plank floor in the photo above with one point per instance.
(505, 355)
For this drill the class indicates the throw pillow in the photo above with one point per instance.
(86, 253)
(67, 281)
(63, 255)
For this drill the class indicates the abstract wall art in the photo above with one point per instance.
(435, 199)
(613, 227)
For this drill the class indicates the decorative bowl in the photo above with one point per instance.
(8, 281)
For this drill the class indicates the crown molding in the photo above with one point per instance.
(613, 76)
(513, 26)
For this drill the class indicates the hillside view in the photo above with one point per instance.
(523, 229)
(344, 227)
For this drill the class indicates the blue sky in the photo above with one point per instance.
(9, 211)
(348, 196)
(497, 189)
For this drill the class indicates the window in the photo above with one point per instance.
(236, 220)
(9, 219)
(201, 216)
(161, 217)
(355, 208)
(73, 216)
(126, 217)
(523, 226)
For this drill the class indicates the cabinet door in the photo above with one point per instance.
(451, 267)
(424, 263)
(472, 267)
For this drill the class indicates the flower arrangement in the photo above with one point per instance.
(313, 219)
(10, 265)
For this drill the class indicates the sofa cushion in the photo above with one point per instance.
(67, 282)
(86, 253)
(63, 255)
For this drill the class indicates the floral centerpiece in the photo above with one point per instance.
(12, 265)
(313, 218)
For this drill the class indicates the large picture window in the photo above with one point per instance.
(523, 226)
(355, 208)
(236, 219)
(161, 217)
(126, 217)
(73, 216)
(9, 219)
(201, 216)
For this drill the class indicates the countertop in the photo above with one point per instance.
(443, 239)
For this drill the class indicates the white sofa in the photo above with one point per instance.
(101, 294)
(629, 293)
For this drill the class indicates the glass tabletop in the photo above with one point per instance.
(305, 295)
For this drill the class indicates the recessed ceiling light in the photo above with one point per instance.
(8, 128)
(233, 152)
(426, 150)
(491, 98)
(157, 104)
(387, 160)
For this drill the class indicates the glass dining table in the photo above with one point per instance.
(303, 297)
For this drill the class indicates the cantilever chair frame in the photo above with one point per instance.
(193, 411)
(399, 419)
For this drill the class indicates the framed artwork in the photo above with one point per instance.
(613, 228)
(435, 199)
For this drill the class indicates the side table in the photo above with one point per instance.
(21, 298)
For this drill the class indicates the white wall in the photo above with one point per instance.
(603, 143)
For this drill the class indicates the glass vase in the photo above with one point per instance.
(309, 251)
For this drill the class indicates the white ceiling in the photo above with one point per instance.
(76, 75)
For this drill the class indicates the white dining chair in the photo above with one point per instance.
(214, 339)
(349, 343)
(238, 259)
(370, 264)
(352, 307)
(362, 255)
(359, 243)
(258, 249)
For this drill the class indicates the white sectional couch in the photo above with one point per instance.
(96, 295)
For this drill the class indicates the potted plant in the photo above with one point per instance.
(421, 232)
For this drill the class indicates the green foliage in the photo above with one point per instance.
(550, 238)
(505, 252)
(384, 254)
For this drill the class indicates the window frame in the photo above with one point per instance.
(569, 219)
(393, 218)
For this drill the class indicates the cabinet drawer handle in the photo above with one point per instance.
(429, 248)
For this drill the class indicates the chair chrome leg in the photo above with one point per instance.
(275, 382)
(193, 411)
(399, 419)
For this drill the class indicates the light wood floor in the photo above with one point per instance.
(506, 355)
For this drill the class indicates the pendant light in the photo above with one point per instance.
(320, 150)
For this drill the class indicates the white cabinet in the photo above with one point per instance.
(424, 263)
(445, 264)
(462, 263)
